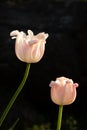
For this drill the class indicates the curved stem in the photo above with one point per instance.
(7, 109)
(59, 117)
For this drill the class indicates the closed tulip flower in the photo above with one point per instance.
(29, 48)
(63, 91)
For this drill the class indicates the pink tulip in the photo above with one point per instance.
(63, 91)
(29, 48)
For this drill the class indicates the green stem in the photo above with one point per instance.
(7, 109)
(13, 126)
(59, 117)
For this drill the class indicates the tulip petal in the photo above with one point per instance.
(29, 48)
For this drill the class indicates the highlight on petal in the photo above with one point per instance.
(30, 33)
(29, 48)
(42, 36)
(14, 34)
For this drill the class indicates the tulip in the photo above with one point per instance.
(29, 48)
(63, 91)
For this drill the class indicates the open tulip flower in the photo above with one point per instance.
(29, 48)
(63, 91)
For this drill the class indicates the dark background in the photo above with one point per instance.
(65, 55)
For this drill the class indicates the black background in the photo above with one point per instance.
(65, 55)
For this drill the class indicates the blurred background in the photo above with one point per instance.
(66, 55)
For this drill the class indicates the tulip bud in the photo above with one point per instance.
(29, 48)
(63, 91)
